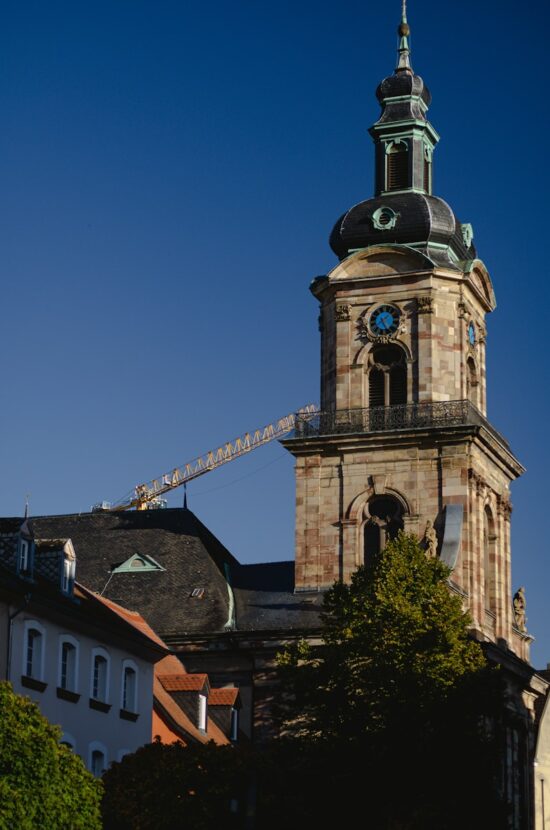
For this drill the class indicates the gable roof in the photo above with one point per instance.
(183, 682)
(223, 697)
(167, 706)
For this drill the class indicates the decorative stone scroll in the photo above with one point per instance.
(504, 506)
(343, 313)
(479, 481)
(425, 305)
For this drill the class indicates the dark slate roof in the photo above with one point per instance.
(190, 555)
(265, 599)
(408, 89)
(421, 219)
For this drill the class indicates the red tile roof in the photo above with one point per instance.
(183, 682)
(223, 697)
(131, 617)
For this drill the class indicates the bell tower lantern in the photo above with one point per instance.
(402, 440)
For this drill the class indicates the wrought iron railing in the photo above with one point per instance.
(392, 418)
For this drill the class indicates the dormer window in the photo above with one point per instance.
(24, 557)
(203, 710)
(66, 579)
(397, 166)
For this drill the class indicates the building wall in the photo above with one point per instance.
(83, 726)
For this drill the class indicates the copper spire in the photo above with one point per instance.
(404, 52)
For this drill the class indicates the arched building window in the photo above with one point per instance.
(383, 523)
(489, 559)
(387, 376)
(129, 687)
(100, 675)
(34, 650)
(97, 758)
(397, 166)
(68, 663)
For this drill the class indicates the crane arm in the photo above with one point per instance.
(145, 493)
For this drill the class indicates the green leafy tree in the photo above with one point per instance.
(396, 637)
(42, 783)
(390, 716)
(168, 786)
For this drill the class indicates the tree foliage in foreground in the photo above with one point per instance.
(395, 639)
(395, 715)
(42, 783)
(168, 786)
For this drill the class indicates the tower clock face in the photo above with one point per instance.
(384, 320)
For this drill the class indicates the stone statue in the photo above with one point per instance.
(430, 539)
(519, 609)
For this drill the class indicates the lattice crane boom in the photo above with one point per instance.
(144, 494)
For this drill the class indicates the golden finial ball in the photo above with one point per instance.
(403, 30)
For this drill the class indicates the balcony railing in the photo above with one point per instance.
(427, 415)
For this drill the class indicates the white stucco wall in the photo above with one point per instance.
(84, 727)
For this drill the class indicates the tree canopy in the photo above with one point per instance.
(42, 782)
(390, 715)
(395, 639)
(167, 786)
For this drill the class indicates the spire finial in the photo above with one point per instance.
(27, 506)
(404, 52)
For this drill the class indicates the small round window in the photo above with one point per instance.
(384, 218)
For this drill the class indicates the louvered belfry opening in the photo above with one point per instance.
(427, 176)
(397, 166)
(376, 388)
(388, 377)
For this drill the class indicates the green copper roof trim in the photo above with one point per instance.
(416, 125)
(394, 246)
(405, 190)
(231, 622)
(397, 98)
(138, 563)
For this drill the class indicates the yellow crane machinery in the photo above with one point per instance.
(148, 495)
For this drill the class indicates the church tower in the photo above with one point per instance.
(403, 440)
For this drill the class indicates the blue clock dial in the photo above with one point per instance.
(384, 320)
(472, 334)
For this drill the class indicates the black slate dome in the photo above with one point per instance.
(411, 218)
(404, 84)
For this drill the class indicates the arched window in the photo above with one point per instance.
(489, 559)
(387, 376)
(97, 759)
(68, 664)
(33, 655)
(397, 166)
(383, 523)
(68, 741)
(129, 687)
(100, 675)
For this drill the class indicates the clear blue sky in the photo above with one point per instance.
(169, 175)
